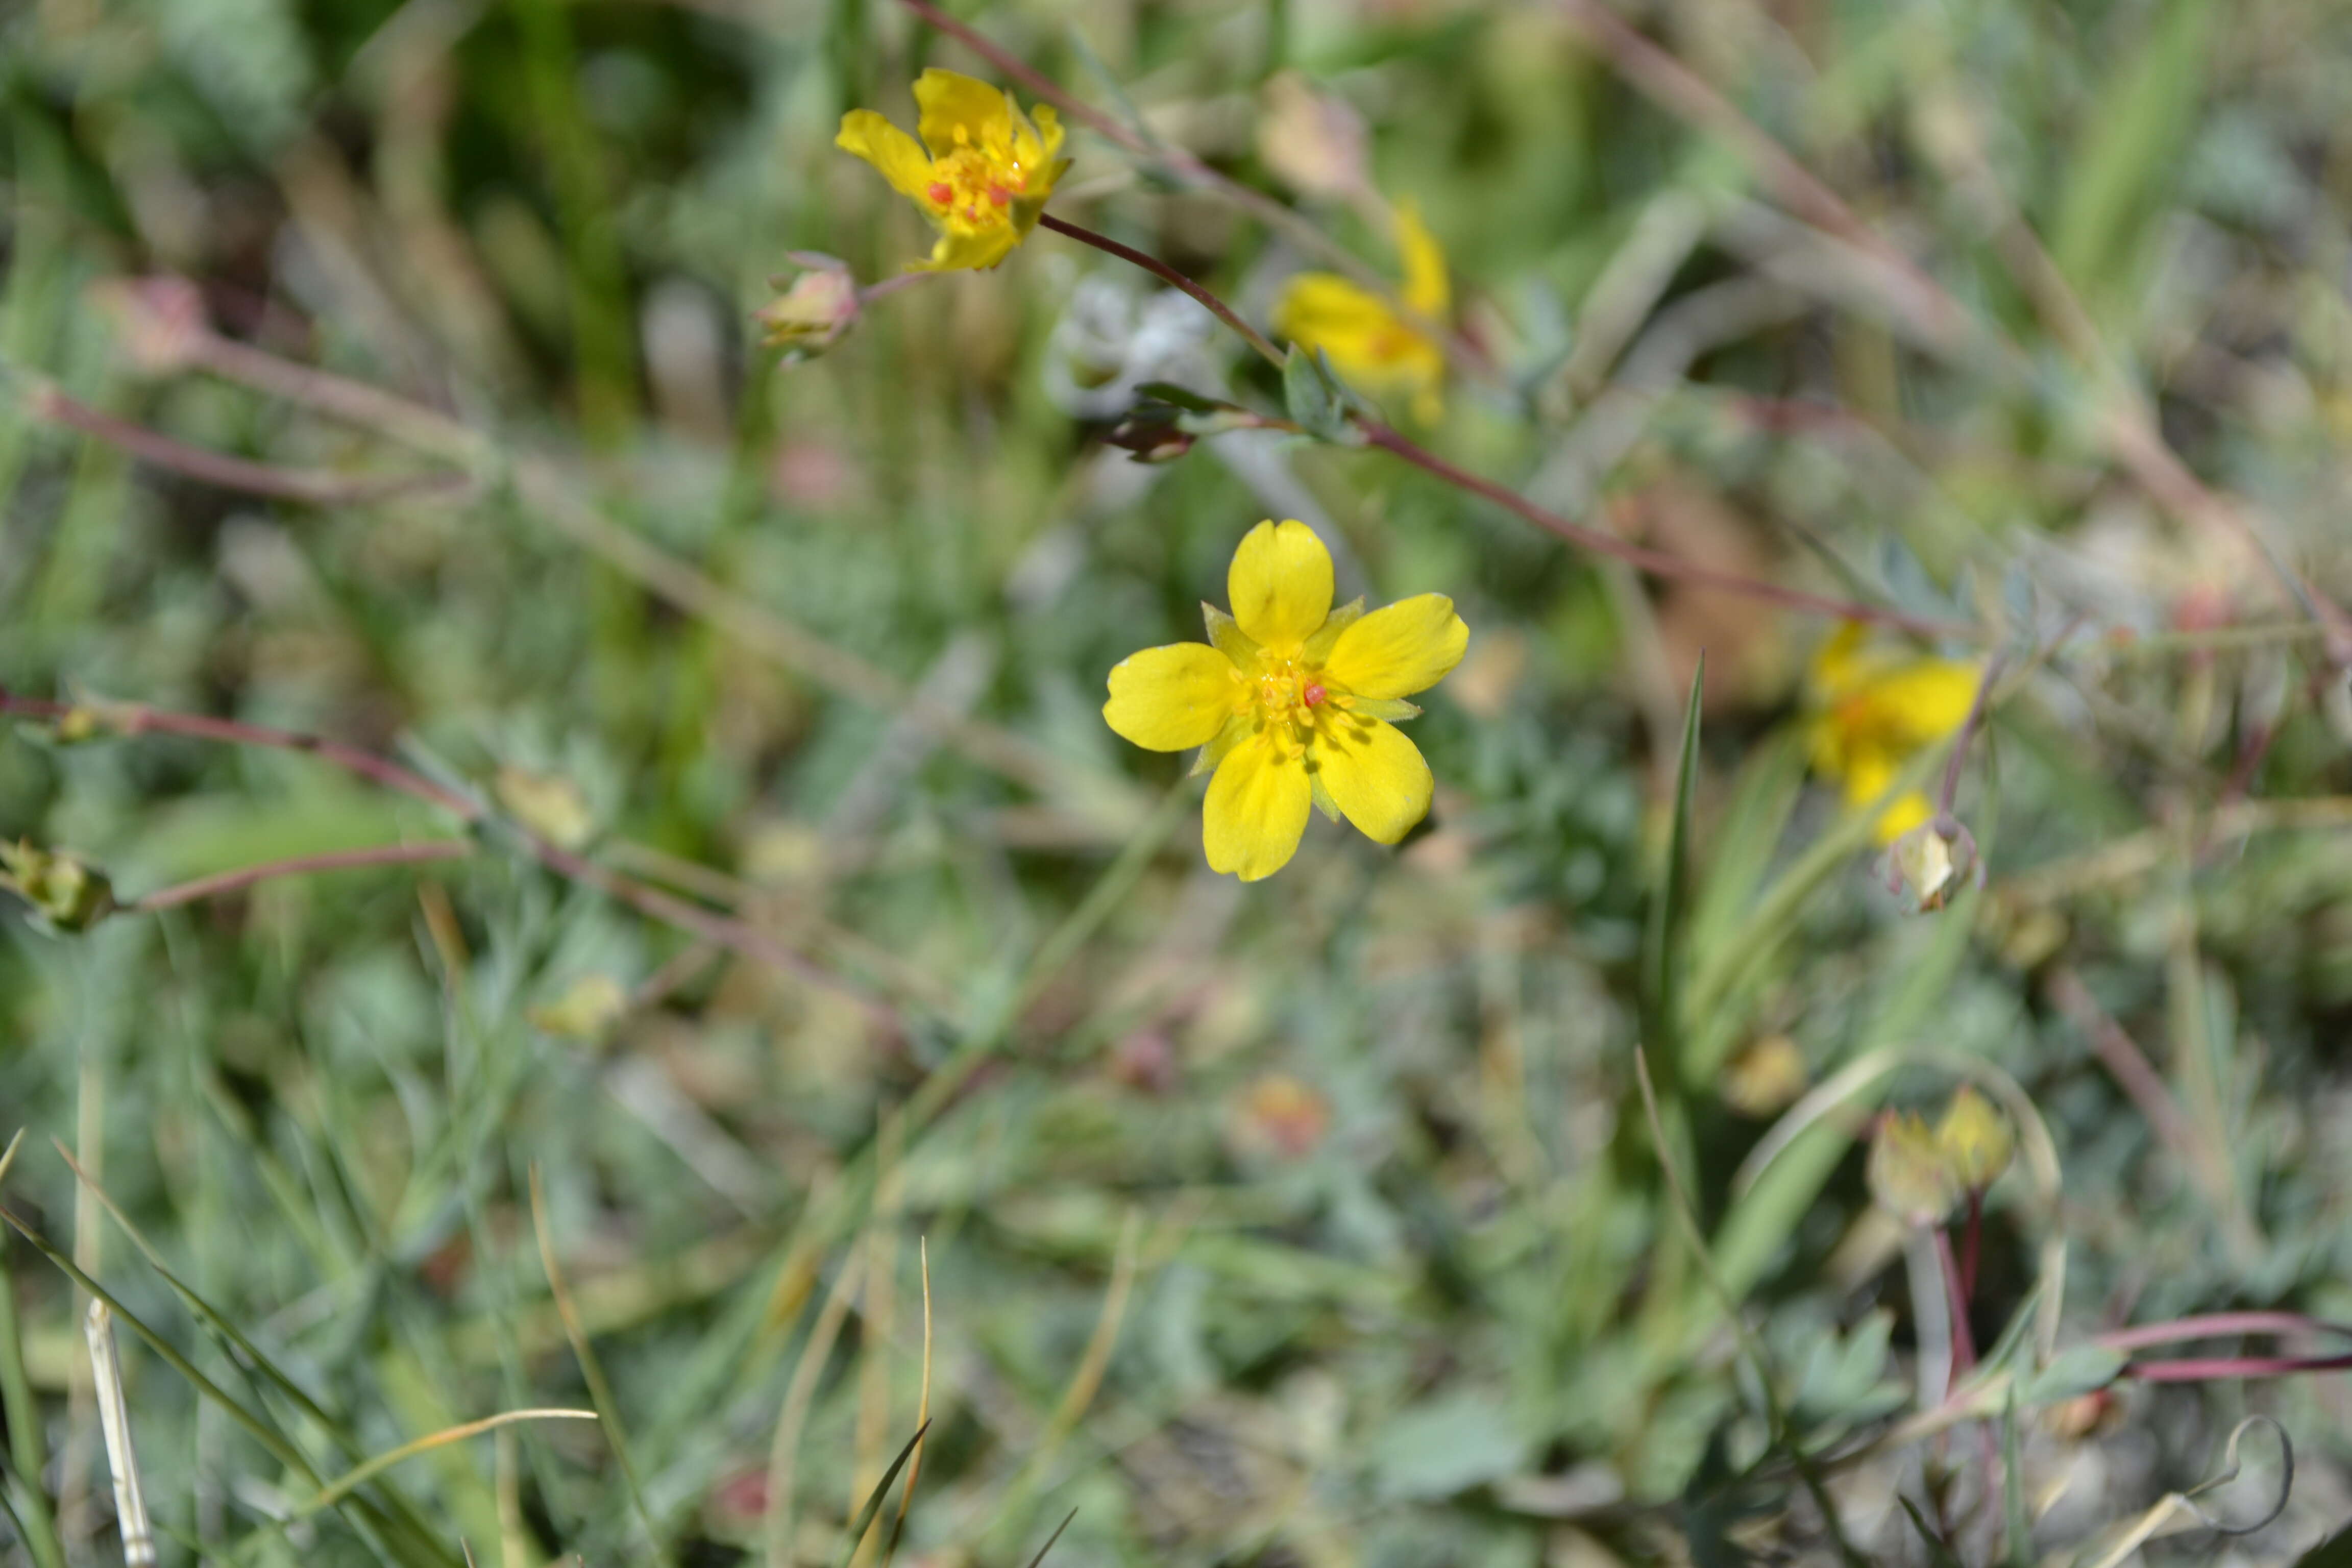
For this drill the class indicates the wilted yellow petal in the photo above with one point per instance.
(1256, 811)
(1425, 289)
(1406, 647)
(959, 111)
(888, 148)
(1169, 699)
(1280, 584)
(1375, 773)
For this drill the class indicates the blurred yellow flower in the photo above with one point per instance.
(1374, 348)
(1291, 705)
(1875, 709)
(981, 174)
(1975, 1139)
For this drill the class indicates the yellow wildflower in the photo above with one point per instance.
(1875, 711)
(1374, 348)
(1292, 704)
(985, 176)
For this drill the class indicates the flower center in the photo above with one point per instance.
(972, 187)
(1289, 693)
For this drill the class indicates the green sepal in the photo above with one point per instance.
(1323, 801)
(1230, 640)
(1318, 645)
(1237, 730)
(1392, 709)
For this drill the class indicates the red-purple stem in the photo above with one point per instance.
(302, 865)
(1656, 563)
(1956, 1297)
(736, 936)
(2219, 1325)
(231, 473)
(1161, 269)
(135, 719)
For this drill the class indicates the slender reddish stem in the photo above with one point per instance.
(1653, 562)
(2219, 1325)
(46, 402)
(1956, 1297)
(1161, 269)
(1968, 729)
(302, 865)
(135, 719)
(1656, 563)
(736, 936)
(2204, 1368)
(1971, 1245)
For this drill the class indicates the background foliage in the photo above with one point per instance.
(1312, 1223)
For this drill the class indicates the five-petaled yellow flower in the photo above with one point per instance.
(986, 175)
(1875, 709)
(1292, 705)
(1374, 348)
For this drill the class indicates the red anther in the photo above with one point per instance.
(1313, 694)
(999, 195)
(941, 192)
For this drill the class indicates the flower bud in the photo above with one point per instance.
(1909, 1176)
(1975, 1139)
(1152, 439)
(810, 315)
(161, 321)
(550, 807)
(586, 1011)
(65, 890)
(1933, 860)
(1313, 142)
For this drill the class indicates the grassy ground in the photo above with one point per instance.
(798, 970)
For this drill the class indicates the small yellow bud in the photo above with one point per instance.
(1909, 1176)
(818, 307)
(65, 890)
(586, 1011)
(1764, 1077)
(1975, 1139)
(550, 807)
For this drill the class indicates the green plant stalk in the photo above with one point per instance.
(603, 362)
(365, 1517)
(26, 1449)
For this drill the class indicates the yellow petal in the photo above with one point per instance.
(1837, 665)
(888, 148)
(1049, 140)
(1905, 812)
(1425, 288)
(1922, 703)
(1325, 311)
(1375, 773)
(979, 251)
(1280, 584)
(961, 110)
(1167, 699)
(1256, 810)
(1867, 771)
(1395, 652)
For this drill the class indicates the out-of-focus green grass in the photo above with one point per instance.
(1315, 1222)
